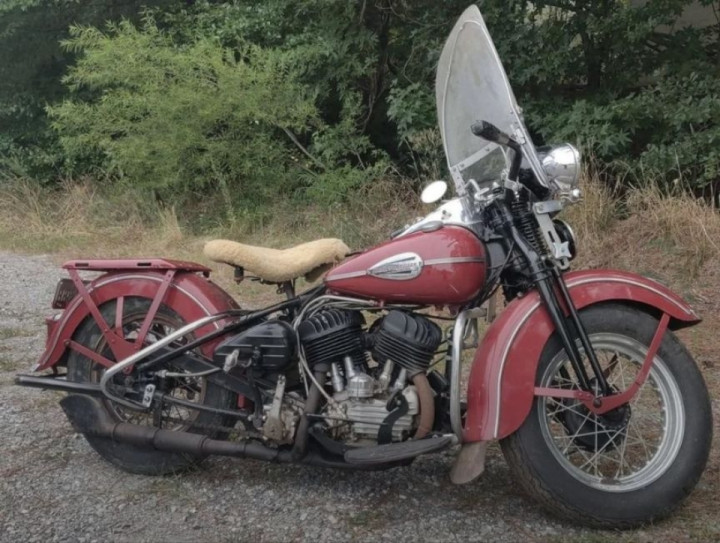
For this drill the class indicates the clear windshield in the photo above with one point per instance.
(471, 85)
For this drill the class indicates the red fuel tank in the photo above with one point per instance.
(443, 266)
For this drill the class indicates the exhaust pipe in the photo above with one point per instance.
(88, 417)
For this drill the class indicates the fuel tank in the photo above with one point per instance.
(447, 265)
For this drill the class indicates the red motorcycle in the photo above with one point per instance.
(602, 414)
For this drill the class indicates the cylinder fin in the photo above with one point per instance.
(408, 340)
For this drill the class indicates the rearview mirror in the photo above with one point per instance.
(433, 192)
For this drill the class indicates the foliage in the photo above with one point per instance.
(173, 117)
(31, 66)
(627, 84)
(668, 131)
(350, 93)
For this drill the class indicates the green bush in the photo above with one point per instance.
(174, 117)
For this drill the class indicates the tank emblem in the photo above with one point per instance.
(398, 267)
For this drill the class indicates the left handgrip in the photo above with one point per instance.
(490, 132)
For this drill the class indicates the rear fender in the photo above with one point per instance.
(502, 377)
(174, 284)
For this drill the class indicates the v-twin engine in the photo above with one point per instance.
(370, 370)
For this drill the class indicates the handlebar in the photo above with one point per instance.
(490, 132)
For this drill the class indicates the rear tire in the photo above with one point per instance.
(125, 456)
(633, 465)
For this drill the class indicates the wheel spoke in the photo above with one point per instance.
(582, 423)
(623, 448)
(601, 449)
(563, 407)
(192, 389)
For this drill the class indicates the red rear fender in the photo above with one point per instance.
(188, 294)
(502, 378)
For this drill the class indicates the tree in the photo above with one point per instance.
(178, 117)
(31, 66)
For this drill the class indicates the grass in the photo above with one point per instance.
(80, 220)
(675, 239)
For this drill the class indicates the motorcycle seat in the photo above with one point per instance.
(310, 259)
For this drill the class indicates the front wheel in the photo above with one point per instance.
(629, 466)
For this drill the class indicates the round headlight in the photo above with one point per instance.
(562, 166)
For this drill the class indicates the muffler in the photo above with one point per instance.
(89, 418)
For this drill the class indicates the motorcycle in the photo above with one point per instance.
(601, 412)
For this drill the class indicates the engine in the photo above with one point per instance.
(371, 371)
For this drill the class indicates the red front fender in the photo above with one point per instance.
(502, 378)
(189, 295)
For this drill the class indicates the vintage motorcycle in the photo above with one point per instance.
(602, 414)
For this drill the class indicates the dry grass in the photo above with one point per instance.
(80, 218)
(595, 214)
(686, 226)
(675, 237)
(77, 218)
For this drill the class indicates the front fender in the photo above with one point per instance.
(502, 377)
(189, 295)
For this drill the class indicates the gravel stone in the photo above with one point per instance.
(54, 487)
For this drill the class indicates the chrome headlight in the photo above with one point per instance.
(562, 166)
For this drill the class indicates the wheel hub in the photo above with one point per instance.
(596, 432)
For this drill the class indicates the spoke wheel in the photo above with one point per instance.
(198, 390)
(173, 417)
(631, 446)
(632, 465)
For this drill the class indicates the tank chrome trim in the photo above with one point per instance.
(455, 260)
(400, 267)
(348, 275)
(398, 259)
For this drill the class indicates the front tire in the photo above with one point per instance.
(630, 466)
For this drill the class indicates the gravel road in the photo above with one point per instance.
(53, 487)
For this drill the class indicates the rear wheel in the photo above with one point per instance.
(197, 390)
(634, 464)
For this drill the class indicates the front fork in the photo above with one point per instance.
(556, 299)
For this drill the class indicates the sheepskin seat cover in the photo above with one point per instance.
(310, 259)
